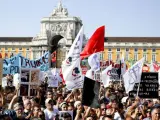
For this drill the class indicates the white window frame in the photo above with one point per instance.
(152, 57)
(109, 54)
(136, 56)
(127, 56)
(145, 56)
(101, 56)
(118, 53)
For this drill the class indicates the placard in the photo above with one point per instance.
(148, 86)
(68, 114)
(114, 74)
(11, 65)
(97, 77)
(29, 81)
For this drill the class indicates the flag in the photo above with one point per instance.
(119, 70)
(90, 74)
(94, 61)
(90, 95)
(133, 75)
(53, 57)
(106, 74)
(71, 70)
(72, 75)
(156, 67)
(95, 43)
(76, 48)
(61, 75)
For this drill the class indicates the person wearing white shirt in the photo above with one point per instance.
(50, 112)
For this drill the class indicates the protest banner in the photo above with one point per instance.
(15, 63)
(148, 86)
(29, 81)
(41, 63)
(11, 65)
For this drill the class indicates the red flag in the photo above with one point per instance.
(53, 55)
(156, 67)
(95, 43)
(61, 75)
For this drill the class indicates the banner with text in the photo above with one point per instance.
(41, 63)
(13, 64)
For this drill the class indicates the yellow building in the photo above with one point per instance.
(132, 48)
(10, 46)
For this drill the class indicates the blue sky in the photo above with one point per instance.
(121, 17)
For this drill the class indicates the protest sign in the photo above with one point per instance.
(35, 75)
(4, 82)
(53, 81)
(11, 65)
(97, 76)
(69, 115)
(114, 74)
(29, 81)
(148, 86)
(16, 80)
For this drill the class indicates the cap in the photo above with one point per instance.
(48, 100)
(63, 103)
(76, 103)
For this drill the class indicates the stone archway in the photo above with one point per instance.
(56, 45)
(54, 28)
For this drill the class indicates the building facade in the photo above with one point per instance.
(132, 48)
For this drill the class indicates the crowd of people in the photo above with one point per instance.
(50, 102)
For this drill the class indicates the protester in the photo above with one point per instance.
(51, 101)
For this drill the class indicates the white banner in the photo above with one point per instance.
(73, 75)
